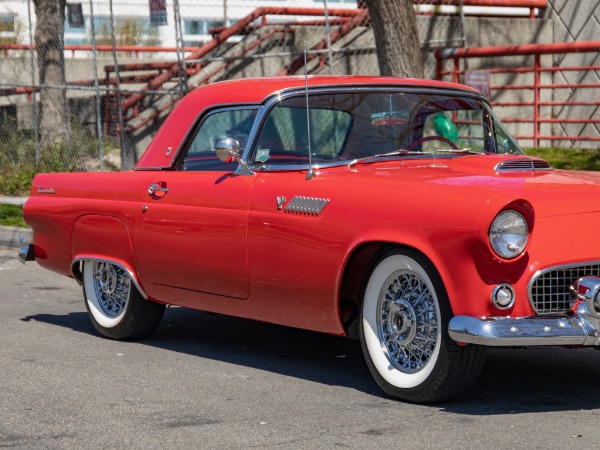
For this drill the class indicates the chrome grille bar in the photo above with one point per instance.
(549, 289)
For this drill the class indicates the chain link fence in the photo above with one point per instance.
(126, 63)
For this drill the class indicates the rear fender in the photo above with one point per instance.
(106, 238)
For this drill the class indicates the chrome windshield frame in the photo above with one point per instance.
(271, 101)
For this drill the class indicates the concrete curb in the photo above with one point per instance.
(13, 200)
(15, 237)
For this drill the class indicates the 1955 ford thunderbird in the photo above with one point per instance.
(397, 211)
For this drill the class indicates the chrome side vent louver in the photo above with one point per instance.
(306, 205)
(523, 164)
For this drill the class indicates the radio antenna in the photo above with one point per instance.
(311, 172)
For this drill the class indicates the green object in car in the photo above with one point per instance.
(444, 127)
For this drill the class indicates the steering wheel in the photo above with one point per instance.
(418, 142)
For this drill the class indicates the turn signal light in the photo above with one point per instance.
(503, 297)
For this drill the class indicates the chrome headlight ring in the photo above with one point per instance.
(509, 234)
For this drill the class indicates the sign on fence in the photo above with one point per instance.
(480, 80)
(75, 15)
(158, 13)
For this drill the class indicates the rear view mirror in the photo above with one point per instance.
(389, 118)
(228, 149)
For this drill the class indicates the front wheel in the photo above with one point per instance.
(404, 332)
(116, 308)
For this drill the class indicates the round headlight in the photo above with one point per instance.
(509, 234)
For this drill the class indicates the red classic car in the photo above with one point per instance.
(397, 211)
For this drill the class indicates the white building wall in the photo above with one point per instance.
(204, 12)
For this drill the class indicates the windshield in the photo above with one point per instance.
(353, 125)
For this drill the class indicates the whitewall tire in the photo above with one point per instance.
(404, 331)
(116, 308)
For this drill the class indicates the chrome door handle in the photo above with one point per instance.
(157, 188)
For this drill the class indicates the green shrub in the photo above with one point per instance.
(12, 216)
(573, 159)
(17, 180)
(19, 162)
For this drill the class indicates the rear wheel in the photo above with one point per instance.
(116, 309)
(404, 332)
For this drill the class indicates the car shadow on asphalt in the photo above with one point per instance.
(513, 381)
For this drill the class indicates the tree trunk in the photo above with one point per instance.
(396, 38)
(49, 35)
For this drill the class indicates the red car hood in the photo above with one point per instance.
(551, 192)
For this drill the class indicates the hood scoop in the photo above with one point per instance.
(522, 165)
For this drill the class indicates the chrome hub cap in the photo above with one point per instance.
(401, 321)
(107, 278)
(407, 322)
(112, 285)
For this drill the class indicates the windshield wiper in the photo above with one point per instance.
(384, 155)
(464, 151)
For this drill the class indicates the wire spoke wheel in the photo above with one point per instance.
(408, 321)
(116, 308)
(403, 331)
(112, 285)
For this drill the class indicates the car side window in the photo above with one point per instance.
(228, 123)
(284, 139)
(501, 138)
(505, 142)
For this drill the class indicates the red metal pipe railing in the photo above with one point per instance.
(136, 49)
(206, 78)
(345, 19)
(520, 50)
(259, 13)
(531, 4)
(498, 3)
(335, 36)
(268, 36)
(348, 18)
(168, 73)
(141, 67)
(535, 50)
(316, 22)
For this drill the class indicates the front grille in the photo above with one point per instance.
(549, 290)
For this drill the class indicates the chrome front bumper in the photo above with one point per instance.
(581, 328)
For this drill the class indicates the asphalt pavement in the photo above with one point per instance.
(210, 381)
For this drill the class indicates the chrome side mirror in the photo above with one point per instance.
(228, 149)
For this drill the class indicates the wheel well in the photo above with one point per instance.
(354, 278)
(77, 266)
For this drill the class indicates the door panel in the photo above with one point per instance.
(295, 257)
(193, 233)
